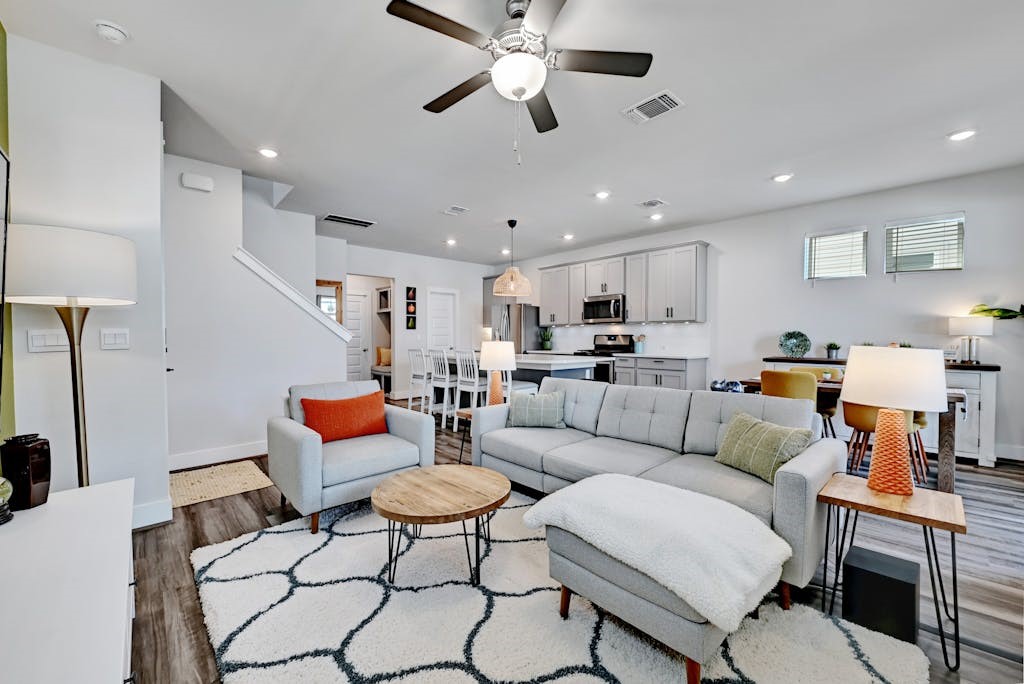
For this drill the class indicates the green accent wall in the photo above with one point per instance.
(7, 370)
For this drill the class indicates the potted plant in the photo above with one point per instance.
(832, 350)
(545, 338)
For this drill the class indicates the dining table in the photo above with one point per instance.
(947, 427)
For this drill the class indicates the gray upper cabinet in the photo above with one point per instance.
(554, 296)
(677, 284)
(577, 291)
(488, 301)
(636, 288)
(607, 276)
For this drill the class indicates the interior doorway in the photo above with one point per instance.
(442, 306)
(375, 343)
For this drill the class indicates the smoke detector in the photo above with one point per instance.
(652, 203)
(111, 32)
(455, 210)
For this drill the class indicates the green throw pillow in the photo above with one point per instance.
(540, 410)
(760, 448)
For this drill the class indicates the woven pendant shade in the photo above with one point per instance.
(512, 283)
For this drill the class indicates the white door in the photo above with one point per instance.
(441, 320)
(357, 320)
(577, 291)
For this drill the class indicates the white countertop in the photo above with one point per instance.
(552, 361)
(685, 357)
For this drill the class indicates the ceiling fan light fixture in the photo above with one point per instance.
(518, 76)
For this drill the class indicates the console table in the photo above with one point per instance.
(69, 588)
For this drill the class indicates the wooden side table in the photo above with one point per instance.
(930, 509)
(466, 416)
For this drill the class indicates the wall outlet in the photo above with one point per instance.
(48, 341)
(115, 338)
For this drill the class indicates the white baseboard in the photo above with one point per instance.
(202, 457)
(1011, 452)
(151, 513)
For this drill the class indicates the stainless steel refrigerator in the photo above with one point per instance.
(519, 323)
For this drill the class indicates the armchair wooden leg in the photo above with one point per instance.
(692, 671)
(785, 599)
(563, 606)
(314, 523)
(283, 501)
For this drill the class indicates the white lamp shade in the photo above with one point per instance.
(69, 267)
(498, 356)
(896, 378)
(970, 326)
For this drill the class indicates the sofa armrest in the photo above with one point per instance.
(798, 517)
(487, 419)
(296, 463)
(415, 427)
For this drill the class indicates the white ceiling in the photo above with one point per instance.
(849, 96)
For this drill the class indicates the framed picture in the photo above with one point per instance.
(410, 322)
(328, 304)
(410, 294)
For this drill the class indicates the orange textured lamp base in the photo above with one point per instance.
(495, 395)
(890, 457)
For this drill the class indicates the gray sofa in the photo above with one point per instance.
(670, 436)
(315, 476)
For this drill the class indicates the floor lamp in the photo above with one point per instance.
(72, 271)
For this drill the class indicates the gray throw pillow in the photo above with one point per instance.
(540, 410)
(759, 447)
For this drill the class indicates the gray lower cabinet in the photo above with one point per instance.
(625, 376)
(660, 372)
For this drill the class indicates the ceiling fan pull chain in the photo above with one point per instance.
(515, 138)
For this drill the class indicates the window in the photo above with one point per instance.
(836, 255)
(327, 304)
(932, 244)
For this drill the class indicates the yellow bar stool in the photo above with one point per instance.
(920, 423)
(826, 403)
(863, 419)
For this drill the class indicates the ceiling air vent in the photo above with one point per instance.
(348, 221)
(650, 107)
(455, 210)
(652, 204)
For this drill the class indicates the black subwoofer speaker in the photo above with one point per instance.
(26, 463)
(882, 593)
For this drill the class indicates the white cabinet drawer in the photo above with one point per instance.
(662, 364)
(963, 380)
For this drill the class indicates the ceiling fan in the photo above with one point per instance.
(521, 56)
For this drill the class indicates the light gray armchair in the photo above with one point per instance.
(315, 476)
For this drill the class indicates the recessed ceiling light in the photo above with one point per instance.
(782, 177)
(450, 242)
(602, 194)
(110, 32)
(657, 217)
(568, 236)
(960, 136)
(506, 251)
(268, 153)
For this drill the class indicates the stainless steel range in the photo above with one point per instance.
(605, 346)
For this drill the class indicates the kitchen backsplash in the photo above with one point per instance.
(669, 338)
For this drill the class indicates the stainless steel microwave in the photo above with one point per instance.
(605, 309)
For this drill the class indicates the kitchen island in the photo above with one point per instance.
(535, 367)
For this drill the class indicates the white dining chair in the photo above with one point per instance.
(469, 380)
(508, 386)
(441, 378)
(419, 378)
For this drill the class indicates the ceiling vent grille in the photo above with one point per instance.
(348, 221)
(651, 107)
(455, 210)
(652, 204)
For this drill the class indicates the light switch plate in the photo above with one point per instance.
(47, 341)
(115, 338)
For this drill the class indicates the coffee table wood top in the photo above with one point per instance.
(940, 510)
(440, 494)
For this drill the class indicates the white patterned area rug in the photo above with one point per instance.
(284, 605)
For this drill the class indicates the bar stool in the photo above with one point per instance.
(827, 403)
(419, 377)
(440, 378)
(508, 386)
(920, 423)
(469, 380)
(863, 419)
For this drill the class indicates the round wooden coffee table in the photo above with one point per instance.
(440, 494)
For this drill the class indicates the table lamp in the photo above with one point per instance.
(497, 357)
(895, 380)
(971, 328)
(70, 270)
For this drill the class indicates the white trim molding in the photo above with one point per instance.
(285, 288)
(221, 454)
(151, 513)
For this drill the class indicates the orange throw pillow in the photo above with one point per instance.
(338, 419)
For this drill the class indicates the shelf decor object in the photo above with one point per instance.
(895, 380)
(496, 357)
(512, 283)
(971, 329)
(794, 344)
(71, 270)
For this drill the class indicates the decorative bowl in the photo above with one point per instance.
(794, 344)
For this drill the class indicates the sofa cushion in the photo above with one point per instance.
(582, 400)
(603, 455)
(326, 390)
(648, 415)
(702, 474)
(352, 459)
(536, 410)
(526, 446)
(759, 447)
(710, 413)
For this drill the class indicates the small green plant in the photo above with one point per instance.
(867, 344)
(546, 335)
(832, 345)
(905, 345)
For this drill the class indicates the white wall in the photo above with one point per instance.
(331, 258)
(86, 153)
(283, 240)
(235, 343)
(756, 290)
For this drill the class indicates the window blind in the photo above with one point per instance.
(836, 255)
(935, 244)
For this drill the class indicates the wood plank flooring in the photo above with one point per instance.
(170, 642)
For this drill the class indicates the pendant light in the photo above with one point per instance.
(512, 283)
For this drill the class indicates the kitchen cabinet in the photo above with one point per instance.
(673, 373)
(554, 296)
(577, 291)
(625, 376)
(636, 288)
(607, 276)
(489, 301)
(677, 284)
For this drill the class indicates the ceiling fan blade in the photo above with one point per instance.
(541, 15)
(600, 62)
(435, 22)
(541, 113)
(464, 89)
